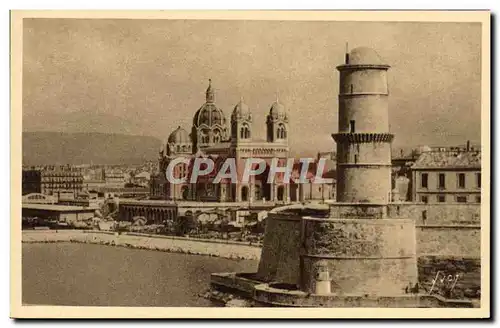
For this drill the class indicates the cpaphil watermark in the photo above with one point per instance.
(286, 170)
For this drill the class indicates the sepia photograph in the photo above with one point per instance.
(236, 164)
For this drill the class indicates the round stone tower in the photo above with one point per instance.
(363, 138)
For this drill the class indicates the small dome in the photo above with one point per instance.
(364, 56)
(241, 109)
(179, 136)
(277, 109)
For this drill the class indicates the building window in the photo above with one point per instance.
(441, 198)
(461, 180)
(478, 180)
(244, 193)
(353, 126)
(442, 181)
(281, 132)
(461, 199)
(478, 199)
(185, 193)
(216, 138)
(424, 199)
(281, 193)
(424, 180)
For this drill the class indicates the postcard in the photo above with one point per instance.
(250, 164)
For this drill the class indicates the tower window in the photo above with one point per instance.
(245, 132)
(442, 181)
(478, 180)
(353, 126)
(424, 180)
(461, 180)
(424, 215)
(352, 88)
(216, 136)
(204, 137)
(281, 132)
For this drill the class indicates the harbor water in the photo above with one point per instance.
(94, 275)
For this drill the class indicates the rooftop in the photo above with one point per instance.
(57, 208)
(143, 175)
(448, 160)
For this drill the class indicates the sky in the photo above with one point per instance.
(146, 77)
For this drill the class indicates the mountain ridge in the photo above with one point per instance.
(51, 147)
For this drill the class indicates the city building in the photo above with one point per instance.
(97, 178)
(37, 198)
(141, 179)
(447, 176)
(59, 213)
(52, 180)
(212, 137)
(114, 178)
(401, 176)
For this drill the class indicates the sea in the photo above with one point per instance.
(74, 274)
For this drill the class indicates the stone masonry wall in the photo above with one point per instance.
(437, 214)
(280, 257)
(363, 256)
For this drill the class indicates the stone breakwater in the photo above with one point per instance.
(185, 245)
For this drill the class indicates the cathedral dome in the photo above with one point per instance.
(209, 115)
(241, 110)
(179, 136)
(364, 56)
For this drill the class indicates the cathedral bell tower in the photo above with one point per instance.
(241, 123)
(277, 123)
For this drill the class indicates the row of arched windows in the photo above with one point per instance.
(245, 132)
(184, 148)
(281, 132)
(205, 136)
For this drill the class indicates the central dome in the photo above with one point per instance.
(209, 115)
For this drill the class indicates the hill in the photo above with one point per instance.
(41, 148)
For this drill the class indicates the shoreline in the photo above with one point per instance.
(171, 244)
(427, 264)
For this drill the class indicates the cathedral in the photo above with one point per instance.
(212, 137)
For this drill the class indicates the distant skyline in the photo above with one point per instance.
(146, 77)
